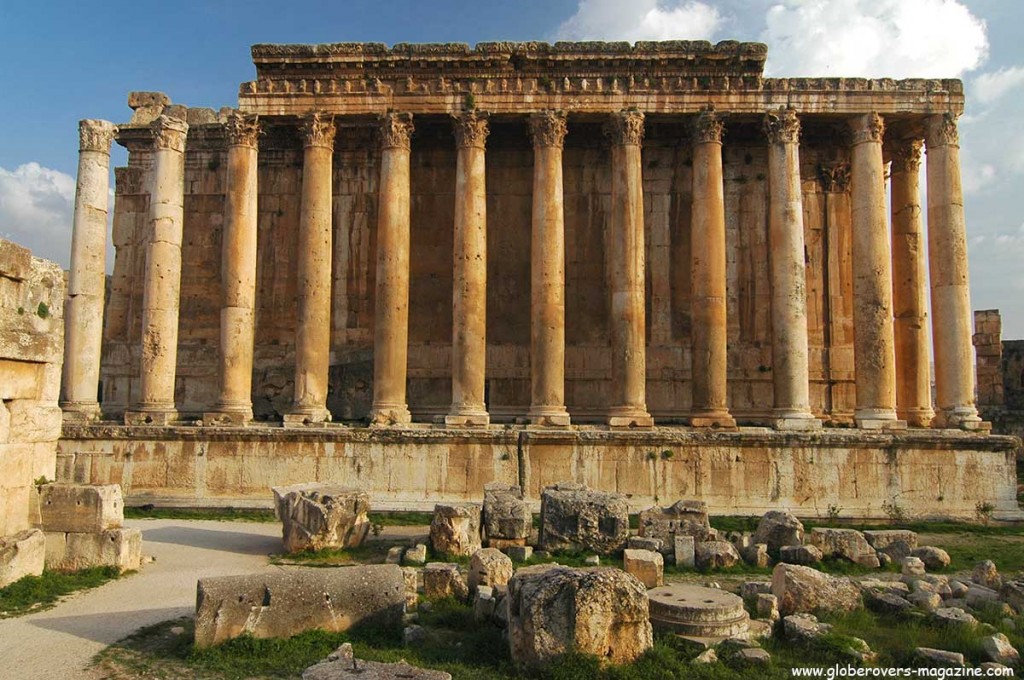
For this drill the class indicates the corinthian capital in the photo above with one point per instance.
(867, 128)
(626, 128)
(242, 129)
(471, 128)
(318, 129)
(906, 155)
(548, 128)
(782, 126)
(941, 130)
(708, 127)
(169, 133)
(95, 135)
(835, 178)
(396, 131)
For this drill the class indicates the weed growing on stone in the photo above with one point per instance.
(35, 593)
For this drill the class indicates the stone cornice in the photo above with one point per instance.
(169, 133)
(548, 129)
(396, 131)
(471, 129)
(625, 128)
(708, 127)
(782, 126)
(242, 129)
(941, 130)
(95, 135)
(318, 130)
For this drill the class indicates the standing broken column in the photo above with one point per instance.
(790, 374)
(162, 282)
(708, 278)
(469, 279)
(238, 274)
(874, 352)
(951, 295)
(313, 330)
(910, 302)
(547, 273)
(626, 261)
(391, 313)
(83, 334)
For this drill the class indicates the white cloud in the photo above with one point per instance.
(641, 20)
(874, 38)
(36, 207)
(988, 87)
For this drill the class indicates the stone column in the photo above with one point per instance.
(391, 315)
(707, 277)
(313, 329)
(547, 273)
(626, 259)
(790, 374)
(238, 274)
(162, 279)
(947, 258)
(873, 344)
(469, 279)
(83, 327)
(913, 358)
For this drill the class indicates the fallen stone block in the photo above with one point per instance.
(806, 590)
(716, 555)
(506, 517)
(803, 627)
(754, 656)
(1012, 593)
(986, 574)
(933, 558)
(411, 577)
(779, 528)
(554, 610)
(682, 518)
(756, 555)
(686, 551)
(342, 665)
(455, 529)
(80, 507)
(938, 658)
(395, 554)
(647, 565)
(896, 543)
(847, 544)
(317, 516)
(283, 604)
(953, 617)
(443, 579)
(642, 543)
(767, 607)
(800, 554)
(573, 517)
(999, 650)
(912, 566)
(980, 596)
(121, 548)
(489, 567)
(416, 555)
(21, 554)
(885, 602)
(483, 604)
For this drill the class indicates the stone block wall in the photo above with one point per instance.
(1000, 374)
(31, 356)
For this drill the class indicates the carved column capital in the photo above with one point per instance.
(708, 127)
(169, 133)
(396, 131)
(95, 135)
(471, 128)
(941, 130)
(906, 155)
(867, 128)
(242, 129)
(318, 130)
(626, 128)
(782, 126)
(835, 178)
(548, 128)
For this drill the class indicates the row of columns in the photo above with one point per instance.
(883, 345)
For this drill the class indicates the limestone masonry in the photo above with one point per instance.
(519, 263)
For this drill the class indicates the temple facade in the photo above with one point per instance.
(575, 238)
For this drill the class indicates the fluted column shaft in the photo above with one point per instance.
(790, 373)
(874, 352)
(391, 315)
(469, 276)
(313, 321)
(910, 303)
(951, 297)
(238, 274)
(162, 279)
(83, 335)
(626, 259)
(707, 278)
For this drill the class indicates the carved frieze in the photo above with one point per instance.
(708, 127)
(782, 126)
(396, 131)
(906, 155)
(242, 129)
(867, 128)
(626, 128)
(169, 133)
(835, 177)
(548, 128)
(318, 129)
(941, 130)
(471, 128)
(95, 135)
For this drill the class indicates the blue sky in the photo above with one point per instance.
(62, 61)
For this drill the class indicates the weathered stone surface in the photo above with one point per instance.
(506, 516)
(986, 574)
(121, 548)
(896, 543)
(415, 555)
(682, 518)
(938, 658)
(411, 577)
(642, 543)
(756, 555)
(555, 610)
(999, 650)
(805, 590)
(282, 604)
(779, 528)
(749, 590)
(925, 600)
(754, 656)
(443, 579)
(954, 617)
(80, 507)
(800, 554)
(573, 517)
(912, 566)
(848, 544)
(933, 558)
(885, 602)
(489, 567)
(316, 516)
(646, 565)
(519, 553)
(342, 665)
(1012, 593)
(716, 555)
(395, 554)
(484, 604)
(803, 627)
(455, 529)
(685, 551)
(21, 555)
(767, 607)
(979, 596)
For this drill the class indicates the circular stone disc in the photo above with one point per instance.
(695, 610)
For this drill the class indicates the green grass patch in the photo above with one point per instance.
(401, 519)
(35, 593)
(215, 514)
(370, 552)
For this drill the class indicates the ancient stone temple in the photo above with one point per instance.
(423, 268)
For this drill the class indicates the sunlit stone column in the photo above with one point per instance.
(313, 329)
(391, 321)
(162, 279)
(947, 259)
(626, 259)
(707, 277)
(873, 344)
(910, 303)
(469, 277)
(83, 334)
(238, 274)
(790, 374)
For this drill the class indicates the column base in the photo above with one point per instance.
(389, 416)
(548, 416)
(878, 419)
(961, 418)
(629, 417)
(228, 417)
(720, 420)
(79, 412)
(917, 417)
(151, 415)
(467, 418)
(796, 422)
(303, 416)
